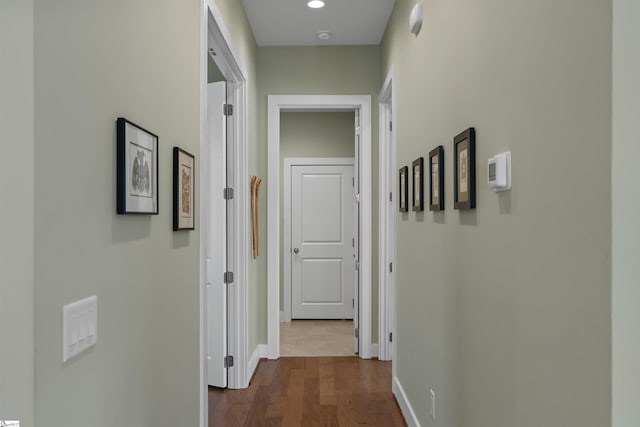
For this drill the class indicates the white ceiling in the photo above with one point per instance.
(293, 23)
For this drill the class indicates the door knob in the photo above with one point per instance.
(296, 250)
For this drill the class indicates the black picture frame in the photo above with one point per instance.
(436, 179)
(137, 169)
(403, 183)
(464, 170)
(418, 184)
(184, 212)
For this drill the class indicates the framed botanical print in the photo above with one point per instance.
(464, 174)
(183, 190)
(436, 179)
(137, 169)
(418, 187)
(404, 189)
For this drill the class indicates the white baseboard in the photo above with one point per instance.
(374, 350)
(259, 353)
(405, 405)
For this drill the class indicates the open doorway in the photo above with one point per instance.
(318, 233)
(281, 297)
(222, 166)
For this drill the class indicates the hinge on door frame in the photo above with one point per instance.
(357, 265)
(391, 126)
(228, 109)
(357, 333)
(391, 196)
(227, 193)
(353, 181)
(390, 336)
(228, 361)
(390, 267)
(228, 277)
(353, 303)
(353, 242)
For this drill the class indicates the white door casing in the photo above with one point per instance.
(356, 278)
(322, 233)
(215, 224)
(388, 202)
(276, 104)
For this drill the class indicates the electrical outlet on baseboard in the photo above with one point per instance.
(432, 395)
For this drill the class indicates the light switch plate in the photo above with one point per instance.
(80, 327)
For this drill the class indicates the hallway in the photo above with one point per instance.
(306, 391)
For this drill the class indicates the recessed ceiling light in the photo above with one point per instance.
(315, 4)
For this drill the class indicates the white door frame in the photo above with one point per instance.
(387, 220)
(277, 104)
(215, 35)
(288, 162)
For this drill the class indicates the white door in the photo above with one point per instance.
(322, 239)
(215, 224)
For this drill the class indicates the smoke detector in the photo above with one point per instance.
(324, 35)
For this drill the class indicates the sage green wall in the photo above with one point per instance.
(304, 134)
(626, 202)
(213, 72)
(321, 70)
(505, 311)
(242, 38)
(16, 217)
(95, 61)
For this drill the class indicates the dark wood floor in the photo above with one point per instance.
(308, 392)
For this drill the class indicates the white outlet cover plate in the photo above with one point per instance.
(433, 403)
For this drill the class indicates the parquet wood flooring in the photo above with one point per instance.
(310, 392)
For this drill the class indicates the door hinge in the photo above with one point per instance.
(390, 267)
(390, 336)
(353, 242)
(228, 193)
(357, 332)
(391, 197)
(353, 181)
(391, 126)
(357, 265)
(353, 303)
(228, 277)
(228, 109)
(228, 361)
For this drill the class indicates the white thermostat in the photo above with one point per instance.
(499, 171)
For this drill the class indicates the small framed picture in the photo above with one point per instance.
(464, 174)
(418, 187)
(137, 169)
(183, 190)
(404, 189)
(436, 179)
